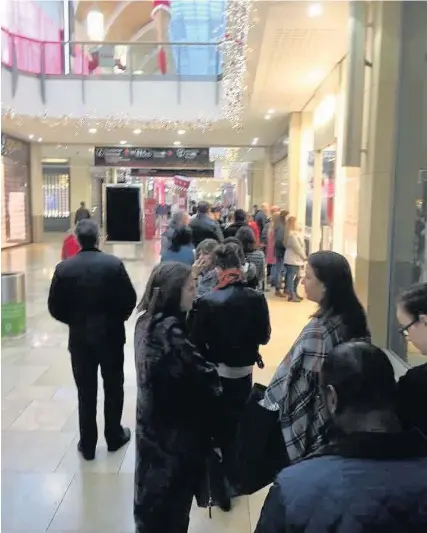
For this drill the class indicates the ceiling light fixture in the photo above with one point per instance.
(177, 143)
(316, 75)
(270, 111)
(181, 132)
(92, 130)
(31, 136)
(40, 139)
(123, 142)
(137, 131)
(314, 10)
(255, 141)
(95, 25)
(267, 116)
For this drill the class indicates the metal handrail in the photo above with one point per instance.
(75, 59)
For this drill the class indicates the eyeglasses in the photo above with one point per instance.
(404, 330)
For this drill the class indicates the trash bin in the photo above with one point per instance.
(13, 311)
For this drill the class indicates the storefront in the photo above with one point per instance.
(15, 183)
(56, 197)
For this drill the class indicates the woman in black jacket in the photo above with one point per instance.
(177, 405)
(412, 387)
(229, 325)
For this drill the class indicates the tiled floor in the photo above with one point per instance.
(45, 484)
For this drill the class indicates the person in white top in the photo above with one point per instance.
(295, 258)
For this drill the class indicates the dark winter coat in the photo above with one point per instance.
(369, 483)
(205, 228)
(412, 399)
(232, 229)
(177, 409)
(92, 293)
(230, 323)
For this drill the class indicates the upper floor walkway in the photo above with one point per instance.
(149, 80)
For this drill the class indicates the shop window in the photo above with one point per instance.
(56, 198)
(16, 218)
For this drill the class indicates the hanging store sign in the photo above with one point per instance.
(172, 172)
(149, 157)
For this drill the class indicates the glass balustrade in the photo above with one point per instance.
(176, 59)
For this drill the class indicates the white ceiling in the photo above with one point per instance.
(291, 54)
(295, 52)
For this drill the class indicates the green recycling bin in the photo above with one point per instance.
(13, 311)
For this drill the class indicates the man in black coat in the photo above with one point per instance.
(82, 213)
(93, 295)
(203, 227)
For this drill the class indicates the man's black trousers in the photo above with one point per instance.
(85, 361)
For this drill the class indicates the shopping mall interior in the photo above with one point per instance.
(319, 108)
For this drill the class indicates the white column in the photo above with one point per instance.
(316, 233)
(80, 186)
(36, 189)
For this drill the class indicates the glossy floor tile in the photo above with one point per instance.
(46, 486)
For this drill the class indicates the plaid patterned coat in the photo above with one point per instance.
(294, 388)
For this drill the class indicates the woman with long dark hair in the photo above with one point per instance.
(412, 387)
(177, 405)
(339, 318)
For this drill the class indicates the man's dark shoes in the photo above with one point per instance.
(87, 456)
(115, 445)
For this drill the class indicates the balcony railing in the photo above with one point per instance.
(186, 61)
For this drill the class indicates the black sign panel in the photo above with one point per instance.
(151, 157)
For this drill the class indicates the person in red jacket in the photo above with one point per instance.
(70, 246)
(255, 228)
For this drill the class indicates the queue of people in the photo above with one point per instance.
(355, 440)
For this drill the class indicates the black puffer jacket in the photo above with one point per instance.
(230, 323)
(232, 229)
(177, 409)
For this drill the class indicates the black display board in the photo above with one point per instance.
(123, 210)
(111, 156)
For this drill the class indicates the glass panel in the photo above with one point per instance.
(197, 21)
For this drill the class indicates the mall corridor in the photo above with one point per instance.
(45, 483)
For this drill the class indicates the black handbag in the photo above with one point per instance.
(260, 449)
(211, 490)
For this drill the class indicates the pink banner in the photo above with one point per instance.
(149, 218)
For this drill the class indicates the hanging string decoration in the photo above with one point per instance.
(234, 49)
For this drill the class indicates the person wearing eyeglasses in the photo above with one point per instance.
(412, 387)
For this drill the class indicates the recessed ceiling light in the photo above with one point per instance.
(137, 131)
(92, 130)
(31, 136)
(255, 140)
(314, 10)
(123, 142)
(40, 139)
(177, 143)
(270, 111)
(267, 116)
(181, 132)
(316, 75)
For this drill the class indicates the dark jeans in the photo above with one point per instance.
(85, 362)
(235, 393)
(291, 275)
(277, 273)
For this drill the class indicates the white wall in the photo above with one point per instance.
(151, 99)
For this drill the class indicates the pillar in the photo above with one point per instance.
(294, 157)
(268, 179)
(306, 146)
(36, 189)
(316, 229)
(80, 186)
(377, 166)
